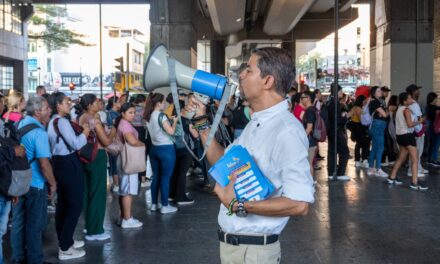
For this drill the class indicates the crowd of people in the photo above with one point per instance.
(386, 130)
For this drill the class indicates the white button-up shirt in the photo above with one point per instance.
(278, 143)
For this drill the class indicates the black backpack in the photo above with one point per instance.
(16, 173)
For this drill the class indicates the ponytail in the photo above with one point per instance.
(84, 103)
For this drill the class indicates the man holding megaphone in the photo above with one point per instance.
(278, 144)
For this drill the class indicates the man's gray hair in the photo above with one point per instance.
(34, 104)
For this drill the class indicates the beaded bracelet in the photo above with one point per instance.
(202, 126)
(230, 206)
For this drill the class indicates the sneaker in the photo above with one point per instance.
(155, 207)
(434, 164)
(420, 186)
(396, 181)
(385, 164)
(168, 209)
(171, 199)
(145, 184)
(424, 171)
(381, 173)
(371, 172)
(115, 188)
(343, 178)
(99, 237)
(78, 244)
(437, 163)
(131, 223)
(51, 209)
(357, 164)
(186, 201)
(71, 253)
(365, 164)
(197, 170)
(420, 174)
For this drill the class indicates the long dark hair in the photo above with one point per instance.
(403, 97)
(373, 92)
(359, 101)
(84, 103)
(393, 100)
(152, 100)
(140, 98)
(430, 98)
(124, 108)
(111, 102)
(55, 99)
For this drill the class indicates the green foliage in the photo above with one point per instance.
(45, 25)
(306, 64)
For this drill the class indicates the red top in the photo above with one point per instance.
(13, 116)
(297, 111)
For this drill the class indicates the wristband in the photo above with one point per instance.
(230, 206)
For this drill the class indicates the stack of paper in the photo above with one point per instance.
(251, 184)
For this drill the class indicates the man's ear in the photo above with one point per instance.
(269, 82)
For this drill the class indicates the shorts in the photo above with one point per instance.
(128, 184)
(406, 140)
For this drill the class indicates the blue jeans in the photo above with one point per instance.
(377, 132)
(5, 208)
(163, 159)
(434, 141)
(29, 219)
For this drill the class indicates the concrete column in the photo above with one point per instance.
(218, 57)
(171, 25)
(401, 45)
(436, 85)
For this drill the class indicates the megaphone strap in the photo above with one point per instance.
(218, 115)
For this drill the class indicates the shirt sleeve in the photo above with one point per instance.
(293, 166)
(42, 146)
(75, 142)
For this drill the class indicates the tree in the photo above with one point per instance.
(306, 64)
(45, 25)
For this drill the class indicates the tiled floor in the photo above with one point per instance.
(360, 221)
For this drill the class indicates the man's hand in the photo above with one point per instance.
(227, 193)
(14, 200)
(194, 105)
(52, 190)
(19, 151)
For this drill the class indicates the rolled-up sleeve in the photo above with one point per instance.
(290, 156)
(75, 142)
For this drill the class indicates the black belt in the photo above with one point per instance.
(248, 240)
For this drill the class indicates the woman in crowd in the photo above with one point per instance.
(129, 183)
(139, 125)
(379, 115)
(163, 153)
(68, 173)
(15, 105)
(359, 133)
(95, 171)
(113, 107)
(433, 138)
(407, 142)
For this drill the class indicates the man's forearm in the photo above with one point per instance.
(280, 206)
(46, 170)
(215, 150)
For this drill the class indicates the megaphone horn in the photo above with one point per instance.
(156, 75)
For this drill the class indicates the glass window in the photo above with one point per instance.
(6, 78)
(16, 19)
(8, 15)
(1, 15)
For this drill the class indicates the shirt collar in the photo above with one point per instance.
(31, 120)
(269, 113)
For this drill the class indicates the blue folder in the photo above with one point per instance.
(251, 184)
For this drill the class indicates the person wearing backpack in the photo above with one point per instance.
(432, 110)
(377, 109)
(29, 214)
(95, 169)
(163, 152)
(69, 174)
(341, 146)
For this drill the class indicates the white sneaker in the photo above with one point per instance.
(371, 171)
(131, 223)
(343, 178)
(424, 170)
(366, 164)
(99, 237)
(71, 253)
(385, 164)
(197, 170)
(155, 207)
(391, 163)
(115, 189)
(419, 174)
(145, 184)
(168, 209)
(357, 164)
(381, 173)
(78, 244)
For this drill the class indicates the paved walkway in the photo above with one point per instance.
(361, 221)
